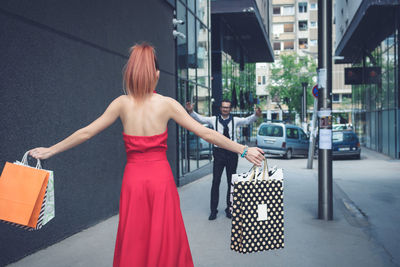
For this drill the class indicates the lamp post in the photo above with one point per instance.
(325, 193)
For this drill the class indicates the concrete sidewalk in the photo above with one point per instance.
(308, 241)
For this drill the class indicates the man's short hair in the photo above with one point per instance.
(227, 101)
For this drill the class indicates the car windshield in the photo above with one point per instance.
(271, 130)
(342, 137)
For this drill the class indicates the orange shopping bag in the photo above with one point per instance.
(22, 192)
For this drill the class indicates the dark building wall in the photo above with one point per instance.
(217, 47)
(61, 65)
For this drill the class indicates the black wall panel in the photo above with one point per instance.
(60, 66)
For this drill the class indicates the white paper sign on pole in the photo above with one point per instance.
(325, 139)
(322, 78)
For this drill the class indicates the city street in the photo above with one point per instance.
(373, 184)
(364, 231)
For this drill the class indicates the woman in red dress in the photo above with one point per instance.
(151, 231)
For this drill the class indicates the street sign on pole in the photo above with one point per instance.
(315, 91)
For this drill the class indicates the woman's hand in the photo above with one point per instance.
(255, 155)
(41, 153)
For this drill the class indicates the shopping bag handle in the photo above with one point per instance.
(25, 161)
(264, 171)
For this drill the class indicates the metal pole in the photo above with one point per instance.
(325, 204)
(311, 145)
(304, 106)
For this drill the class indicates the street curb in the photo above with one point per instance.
(357, 218)
(352, 213)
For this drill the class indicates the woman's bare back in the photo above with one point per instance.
(147, 118)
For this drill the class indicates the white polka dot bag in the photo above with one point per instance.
(257, 211)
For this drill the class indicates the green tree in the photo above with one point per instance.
(286, 78)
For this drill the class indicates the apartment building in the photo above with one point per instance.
(295, 29)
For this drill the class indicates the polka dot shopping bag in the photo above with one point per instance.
(257, 211)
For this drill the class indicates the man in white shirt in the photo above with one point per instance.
(225, 124)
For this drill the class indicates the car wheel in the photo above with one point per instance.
(358, 156)
(288, 154)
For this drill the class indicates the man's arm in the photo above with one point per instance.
(248, 120)
(202, 119)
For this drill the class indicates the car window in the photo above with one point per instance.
(292, 133)
(348, 136)
(303, 135)
(337, 136)
(343, 137)
(271, 130)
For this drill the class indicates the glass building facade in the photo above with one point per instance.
(239, 86)
(193, 78)
(375, 106)
(367, 35)
(233, 78)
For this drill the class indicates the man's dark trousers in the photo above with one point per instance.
(222, 159)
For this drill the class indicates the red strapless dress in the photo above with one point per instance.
(151, 232)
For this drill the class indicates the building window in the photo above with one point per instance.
(303, 25)
(277, 28)
(263, 78)
(313, 6)
(259, 80)
(303, 43)
(288, 45)
(288, 10)
(313, 42)
(313, 24)
(277, 45)
(303, 7)
(276, 10)
(288, 27)
(336, 98)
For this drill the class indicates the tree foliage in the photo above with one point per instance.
(286, 77)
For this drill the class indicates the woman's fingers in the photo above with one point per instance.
(255, 156)
(40, 153)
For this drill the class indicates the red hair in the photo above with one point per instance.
(140, 75)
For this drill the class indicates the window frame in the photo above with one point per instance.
(276, 14)
(302, 7)
(302, 22)
(286, 42)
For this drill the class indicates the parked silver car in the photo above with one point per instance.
(282, 139)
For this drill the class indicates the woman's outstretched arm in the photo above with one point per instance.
(178, 113)
(109, 116)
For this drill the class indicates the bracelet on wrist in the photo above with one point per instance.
(244, 152)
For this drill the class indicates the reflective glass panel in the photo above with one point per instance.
(202, 54)
(182, 138)
(203, 100)
(190, 4)
(192, 138)
(202, 11)
(191, 39)
(181, 42)
(391, 78)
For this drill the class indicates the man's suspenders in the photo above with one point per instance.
(233, 126)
